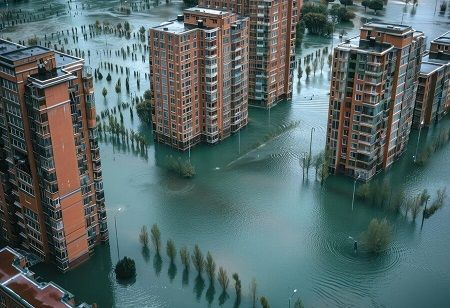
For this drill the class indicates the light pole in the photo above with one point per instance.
(310, 141)
(290, 297)
(117, 238)
(239, 139)
(354, 190)
(418, 139)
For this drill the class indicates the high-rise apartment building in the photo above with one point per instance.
(199, 77)
(373, 86)
(433, 92)
(51, 190)
(272, 46)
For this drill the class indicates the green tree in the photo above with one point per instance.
(308, 71)
(104, 92)
(190, 3)
(125, 268)
(365, 4)
(311, 7)
(341, 14)
(264, 302)
(185, 257)
(253, 287)
(298, 303)
(144, 111)
(126, 26)
(198, 260)
(376, 5)
(317, 24)
(143, 236)
(210, 267)
(171, 250)
(237, 287)
(378, 235)
(156, 237)
(223, 279)
(346, 2)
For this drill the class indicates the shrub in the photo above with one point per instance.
(125, 268)
(378, 236)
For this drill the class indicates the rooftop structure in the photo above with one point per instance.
(18, 288)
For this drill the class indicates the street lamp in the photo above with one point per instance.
(418, 139)
(354, 189)
(290, 297)
(310, 141)
(115, 227)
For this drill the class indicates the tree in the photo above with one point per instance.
(126, 26)
(253, 287)
(185, 257)
(32, 41)
(190, 3)
(376, 5)
(315, 64)
(210, 266)
(143, 236)
(142, 30)
(322, 63)
(310, 7)
(330, 60)
(264, 302)
(198, 260)
(156, 237)
(237, 287)
(346, 2)
(144, 111)
(298, 303)
(300, 32)
(341, 14)
(317, 24)
(104, 92)
(108, 77)
(308, 71)
(147, 95)
(365, 4)
(125, 268)
(223, 279)
(171, 250)
(378, 235)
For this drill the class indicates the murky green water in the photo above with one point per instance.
(252, 210)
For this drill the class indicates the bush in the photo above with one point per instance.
(144, 111)
(125, 268)
(378, 236)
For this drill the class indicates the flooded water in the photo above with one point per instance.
(247, 204)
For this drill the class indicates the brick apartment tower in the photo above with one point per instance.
(51, 190)
(433, 92)
(199, 77)
(373, 88)
(272, 46)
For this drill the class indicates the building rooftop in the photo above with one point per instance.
(443, 39)
(427, 67)
(25, 52)
(198, 9)
(394, 28)
(63, 59)
(365, 46)
(173, 26)
(18, 283)
(7, 46)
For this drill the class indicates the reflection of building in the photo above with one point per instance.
(199, 79)
(433, 92)
(374, 80)
(272, 46)
(51, 190)
(19, 289)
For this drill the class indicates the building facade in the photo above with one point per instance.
(199, 77)
(272, 46)
(51, 189)
(433, 92)
(372, 94)
(19, 289)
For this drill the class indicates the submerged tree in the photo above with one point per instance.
(223, 279)
(210, 266)
(171, 250)
(125, 268)
(185, 257)
(198, 260)
(378, 235)
(156, 237)
(143, 236)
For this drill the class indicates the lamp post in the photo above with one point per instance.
(418, 139)
(117, 238)
(310, 141)
(239, 139)
(290, 297)
(354, 190)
